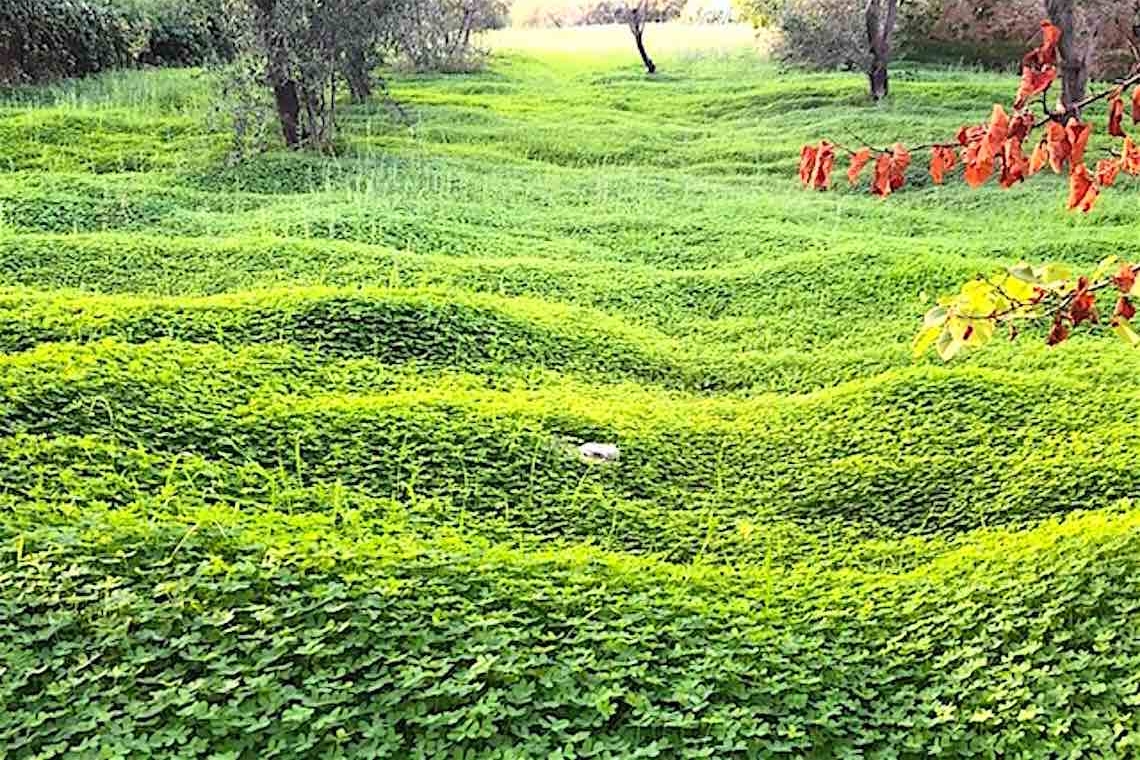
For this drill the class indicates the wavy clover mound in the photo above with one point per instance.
(290, 451)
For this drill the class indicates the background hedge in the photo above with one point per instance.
(49, 39)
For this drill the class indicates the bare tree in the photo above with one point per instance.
(636, 17)
(880, 27)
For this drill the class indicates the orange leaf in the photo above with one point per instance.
(859, 159)
(1014, 166)
(977, 172)
(1116, 117)
(1058, 142)
(1125, 278)
(881, 184)
(824, 164)
(807, 163)
(1124, 308)
(1058, 333)
(996, 133)
(1083, 192)
(1039, 66)
(1039, 158)
(1106, 171)
(1021, 125)
(1050, 38)
(1130, 157)
(967, 135)
(1034, 80)
(1078, 134)
(1136, 106)
(1083, 306)
(900, 160)
(942, 160)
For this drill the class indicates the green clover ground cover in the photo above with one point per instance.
(287, 449)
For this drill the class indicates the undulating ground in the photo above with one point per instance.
(288, 464)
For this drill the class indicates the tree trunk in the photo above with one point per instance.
(357, 75)
(288, 111)
(879, 31)
(635, 17)
(650, 67)
(1076, 49)
(277, 72)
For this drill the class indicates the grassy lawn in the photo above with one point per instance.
(287, 447)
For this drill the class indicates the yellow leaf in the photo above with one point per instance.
(1122, 328)
(1017, 288)
(925, 339)
(936, 317)
(1054, 276)
(1107, 266)
(947, 346)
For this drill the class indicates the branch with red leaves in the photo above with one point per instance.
(1022, 293)
(997, 146)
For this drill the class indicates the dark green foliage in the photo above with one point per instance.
(42, 40)
(45, 39)
(181, 32)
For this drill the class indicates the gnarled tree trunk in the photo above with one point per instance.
(880, 27)
(285, 95)
(288, 111)
(357, 74)
(1078, 41)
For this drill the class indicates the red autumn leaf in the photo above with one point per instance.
(824, 164)
(1136, 106)
(996, 132)
(1020, 126)
(1057, 141)
(1034, 80)
(1078, 134)
(1125, 278)
(1014, 165)
(1124, 308)
(881, 184)
(1058, 333)
(942, 160)
(1039, 66)
(1083, 306)
(1130, 157)
(900, 160)
(978, 157)
(1083, 192)
(1106, 171)
(1116, 116)
(1039, 158)
(967, 135)
(978, 172)
(859, 159)
(807, 163)
(1051, 37)
(978, 169)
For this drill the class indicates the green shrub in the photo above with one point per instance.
(45, 39)
(180, 32)
(49, 39)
